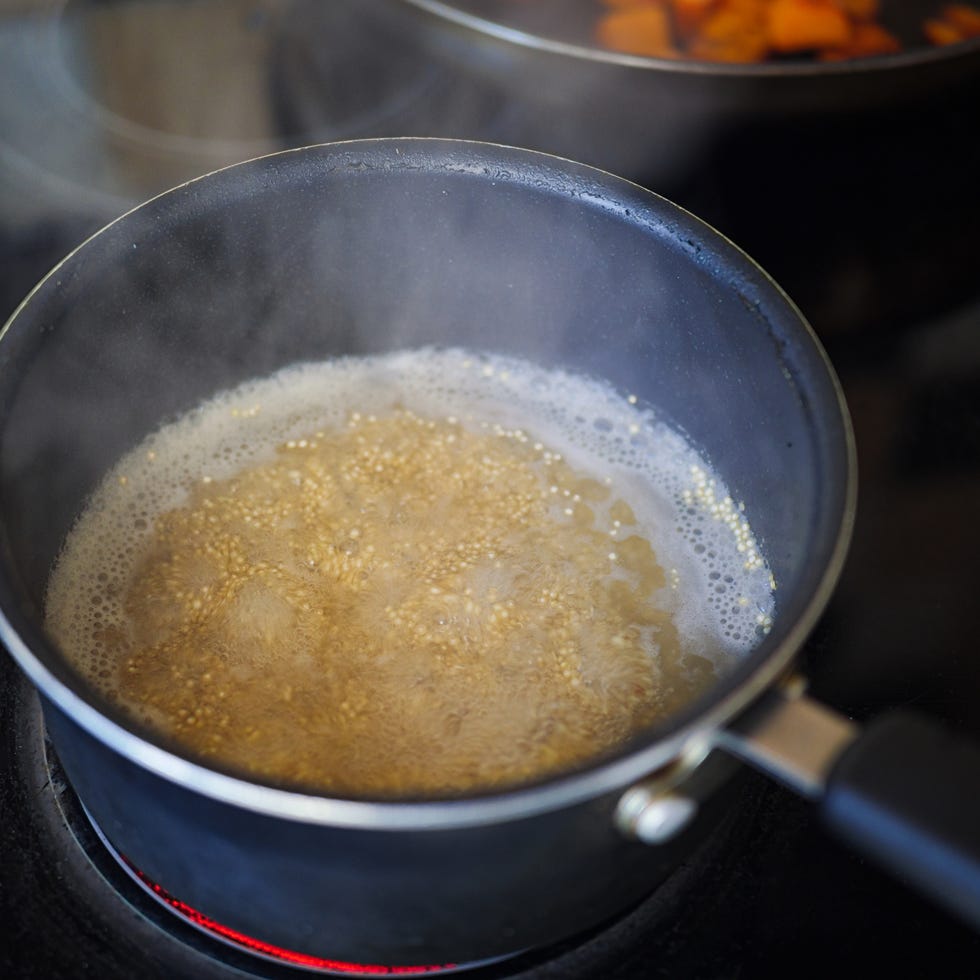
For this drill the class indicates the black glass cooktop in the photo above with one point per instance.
(897, 305)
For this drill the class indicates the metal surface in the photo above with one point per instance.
(791, 738)
(661, 819)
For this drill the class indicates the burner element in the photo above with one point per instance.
(267, 950)
(74, 902)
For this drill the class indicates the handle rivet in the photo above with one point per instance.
(654, 818)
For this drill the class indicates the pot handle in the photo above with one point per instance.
(903, 791)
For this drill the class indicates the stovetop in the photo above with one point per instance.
(769, 893)
(766, 894)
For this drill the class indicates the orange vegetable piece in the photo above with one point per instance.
(956, 22)
(642, 29)
(803, 25)
(757, 30)
(964, 18)
(940, 32)
(860, 9)
(690, 14)
(735, 32)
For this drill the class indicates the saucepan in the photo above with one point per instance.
(373, 246)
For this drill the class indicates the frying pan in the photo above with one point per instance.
(654, 110)
(371, 246)
(564, 30)
(867, 166)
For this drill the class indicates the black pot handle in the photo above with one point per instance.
(903, 791)
(906, 793)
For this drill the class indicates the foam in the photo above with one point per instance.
(723, 587)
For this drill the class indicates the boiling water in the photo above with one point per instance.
(410, 575)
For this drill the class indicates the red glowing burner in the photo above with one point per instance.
(261, 948)
(276, 952)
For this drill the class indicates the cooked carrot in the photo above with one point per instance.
(941, 32)
(860, 9)
(735, 32)
(755, 30)
(690, 14)
(619, 4)
(805, 25)
(964, 18)
(638, 29)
